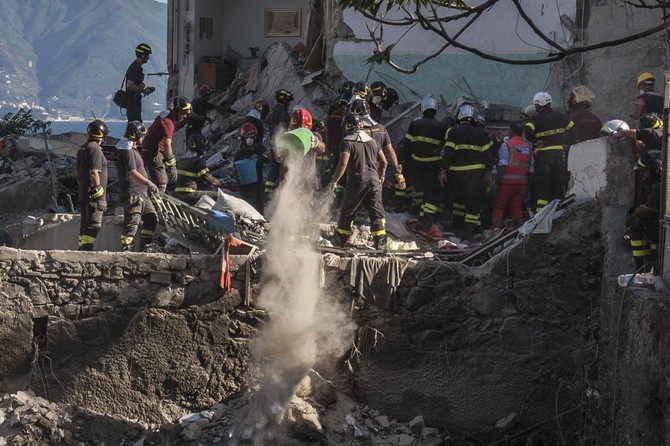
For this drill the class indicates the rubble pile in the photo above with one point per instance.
(27, 419)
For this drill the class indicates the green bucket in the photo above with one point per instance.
(295, 143)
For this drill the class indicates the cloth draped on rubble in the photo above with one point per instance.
(541, 223)
(225, 281)
(376, 279)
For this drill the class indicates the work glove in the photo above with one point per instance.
(151, 188)
(148, 90)
(99, 204)
(398, 169)
(400, 181)
(172, 174)
(171, 162)
(315, 141)
(96, 192)
(333, 189)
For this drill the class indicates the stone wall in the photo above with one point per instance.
(139, 335)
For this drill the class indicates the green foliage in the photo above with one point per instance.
(20, 123)
(382, 56)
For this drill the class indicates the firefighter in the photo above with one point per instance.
(642, 223)
(379, 95)
(279, 117)
(200, 106)
(648, 101)
(334, 135)
(648, 135)
(258, 113)
(547, 132)
(365, 164)
(251, 148)
(159, 161)
(135, 188)
(587, 125)
(92, 179)
(422, 147)
(359, 106)
(194, 174)
(300, 118)
(467, 160)
(515, 164)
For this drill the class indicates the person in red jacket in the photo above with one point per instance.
(514, 168)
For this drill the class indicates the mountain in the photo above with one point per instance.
(70, 56)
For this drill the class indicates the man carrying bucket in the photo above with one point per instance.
(194, 174)
(249, 165)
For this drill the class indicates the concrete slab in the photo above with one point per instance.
(65, 235)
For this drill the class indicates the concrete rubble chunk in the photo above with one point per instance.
(405, 440)
(23, 397)
(505, 423)
(417, 424)
(164, 277)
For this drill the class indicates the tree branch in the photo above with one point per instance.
(534, 27)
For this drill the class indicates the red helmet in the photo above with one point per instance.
(263, 107)
(248, 130)
(301, 118)
(205, 90)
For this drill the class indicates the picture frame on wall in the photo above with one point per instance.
(283, 22)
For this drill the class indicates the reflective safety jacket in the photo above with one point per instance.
(467, 148)
(424, 140)
(518, 163)
(549, 126)
(193, 172)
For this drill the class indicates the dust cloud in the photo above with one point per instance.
(306, 326)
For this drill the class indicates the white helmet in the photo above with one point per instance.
(583, 94)
(466, 111)
(429, 103)
(542, 98)
(613, 126)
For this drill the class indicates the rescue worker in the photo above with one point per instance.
(194, 174)
(547, 132)
(587, 125)
(135, 188)
(258, 113)
(279, 117)
(391, 99)
(648, 101)
(251, 148)
(647, 136)
(159, 160)
(135, 86)
(642, 223)
(467, 160)
(333, 136)
(422, 148)
(379, 95)
(359, 106)
(515, 164)
(200, 106)
(365, 165)
(92, 179)
(301, 117)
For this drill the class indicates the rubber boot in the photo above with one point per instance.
(380, 242)
(342, 239)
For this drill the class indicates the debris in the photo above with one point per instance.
(505, 423)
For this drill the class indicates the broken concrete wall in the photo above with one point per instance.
(139, 335)
(469, 346)
(612, 72)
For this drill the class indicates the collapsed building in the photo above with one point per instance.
(527, 341)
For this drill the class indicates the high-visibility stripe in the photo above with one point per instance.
(147, 232)
(472, 147)
(468, 167)
(472, 218)
(343, 231)
(458, 206)
(378, 233)
(542, 149)
(638, 252)
(550, 132)
(423, 139)
(270, 183)
(430, 208)
(425, 159)
(185, 189)
(530, 125)
(187, 173)
(86, 240)
(399, 193)
(126, 239)
(637, 242)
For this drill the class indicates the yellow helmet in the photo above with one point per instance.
(644, 77)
